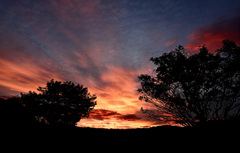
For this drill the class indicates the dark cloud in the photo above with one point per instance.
(101, 114)
(129, 117)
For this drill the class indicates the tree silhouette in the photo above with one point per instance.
(193, 89)
(59, 104)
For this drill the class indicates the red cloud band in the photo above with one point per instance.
(101, 114)
(213, 35)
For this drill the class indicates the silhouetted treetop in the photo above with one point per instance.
(195, 88)
(59, 104)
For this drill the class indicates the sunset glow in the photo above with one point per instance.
(104, 45)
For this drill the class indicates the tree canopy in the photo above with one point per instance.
(59, 104)
(195, 88)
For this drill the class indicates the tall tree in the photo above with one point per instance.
(195, 88)
(59, 104)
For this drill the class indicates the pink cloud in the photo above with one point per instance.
(170, 42)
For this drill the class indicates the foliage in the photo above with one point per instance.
(13, 114)
(195, 88)
(59, 104)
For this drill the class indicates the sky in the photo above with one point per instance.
(104, 45)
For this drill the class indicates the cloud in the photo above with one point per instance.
(24, 75)
(102, 118)
(101, 114)
(170, 42)
(129, 117)
(116, 89)
(212, 36)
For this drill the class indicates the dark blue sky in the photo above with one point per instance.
(104, 44)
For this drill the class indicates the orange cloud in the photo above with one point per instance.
(118, 104)
(102, 118)
(101, 114)
(114, 123)
(213, 35)
(23, 75)
(119, 90)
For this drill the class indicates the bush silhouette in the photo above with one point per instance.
(14, 115)
(59, 104)
(193, 89)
